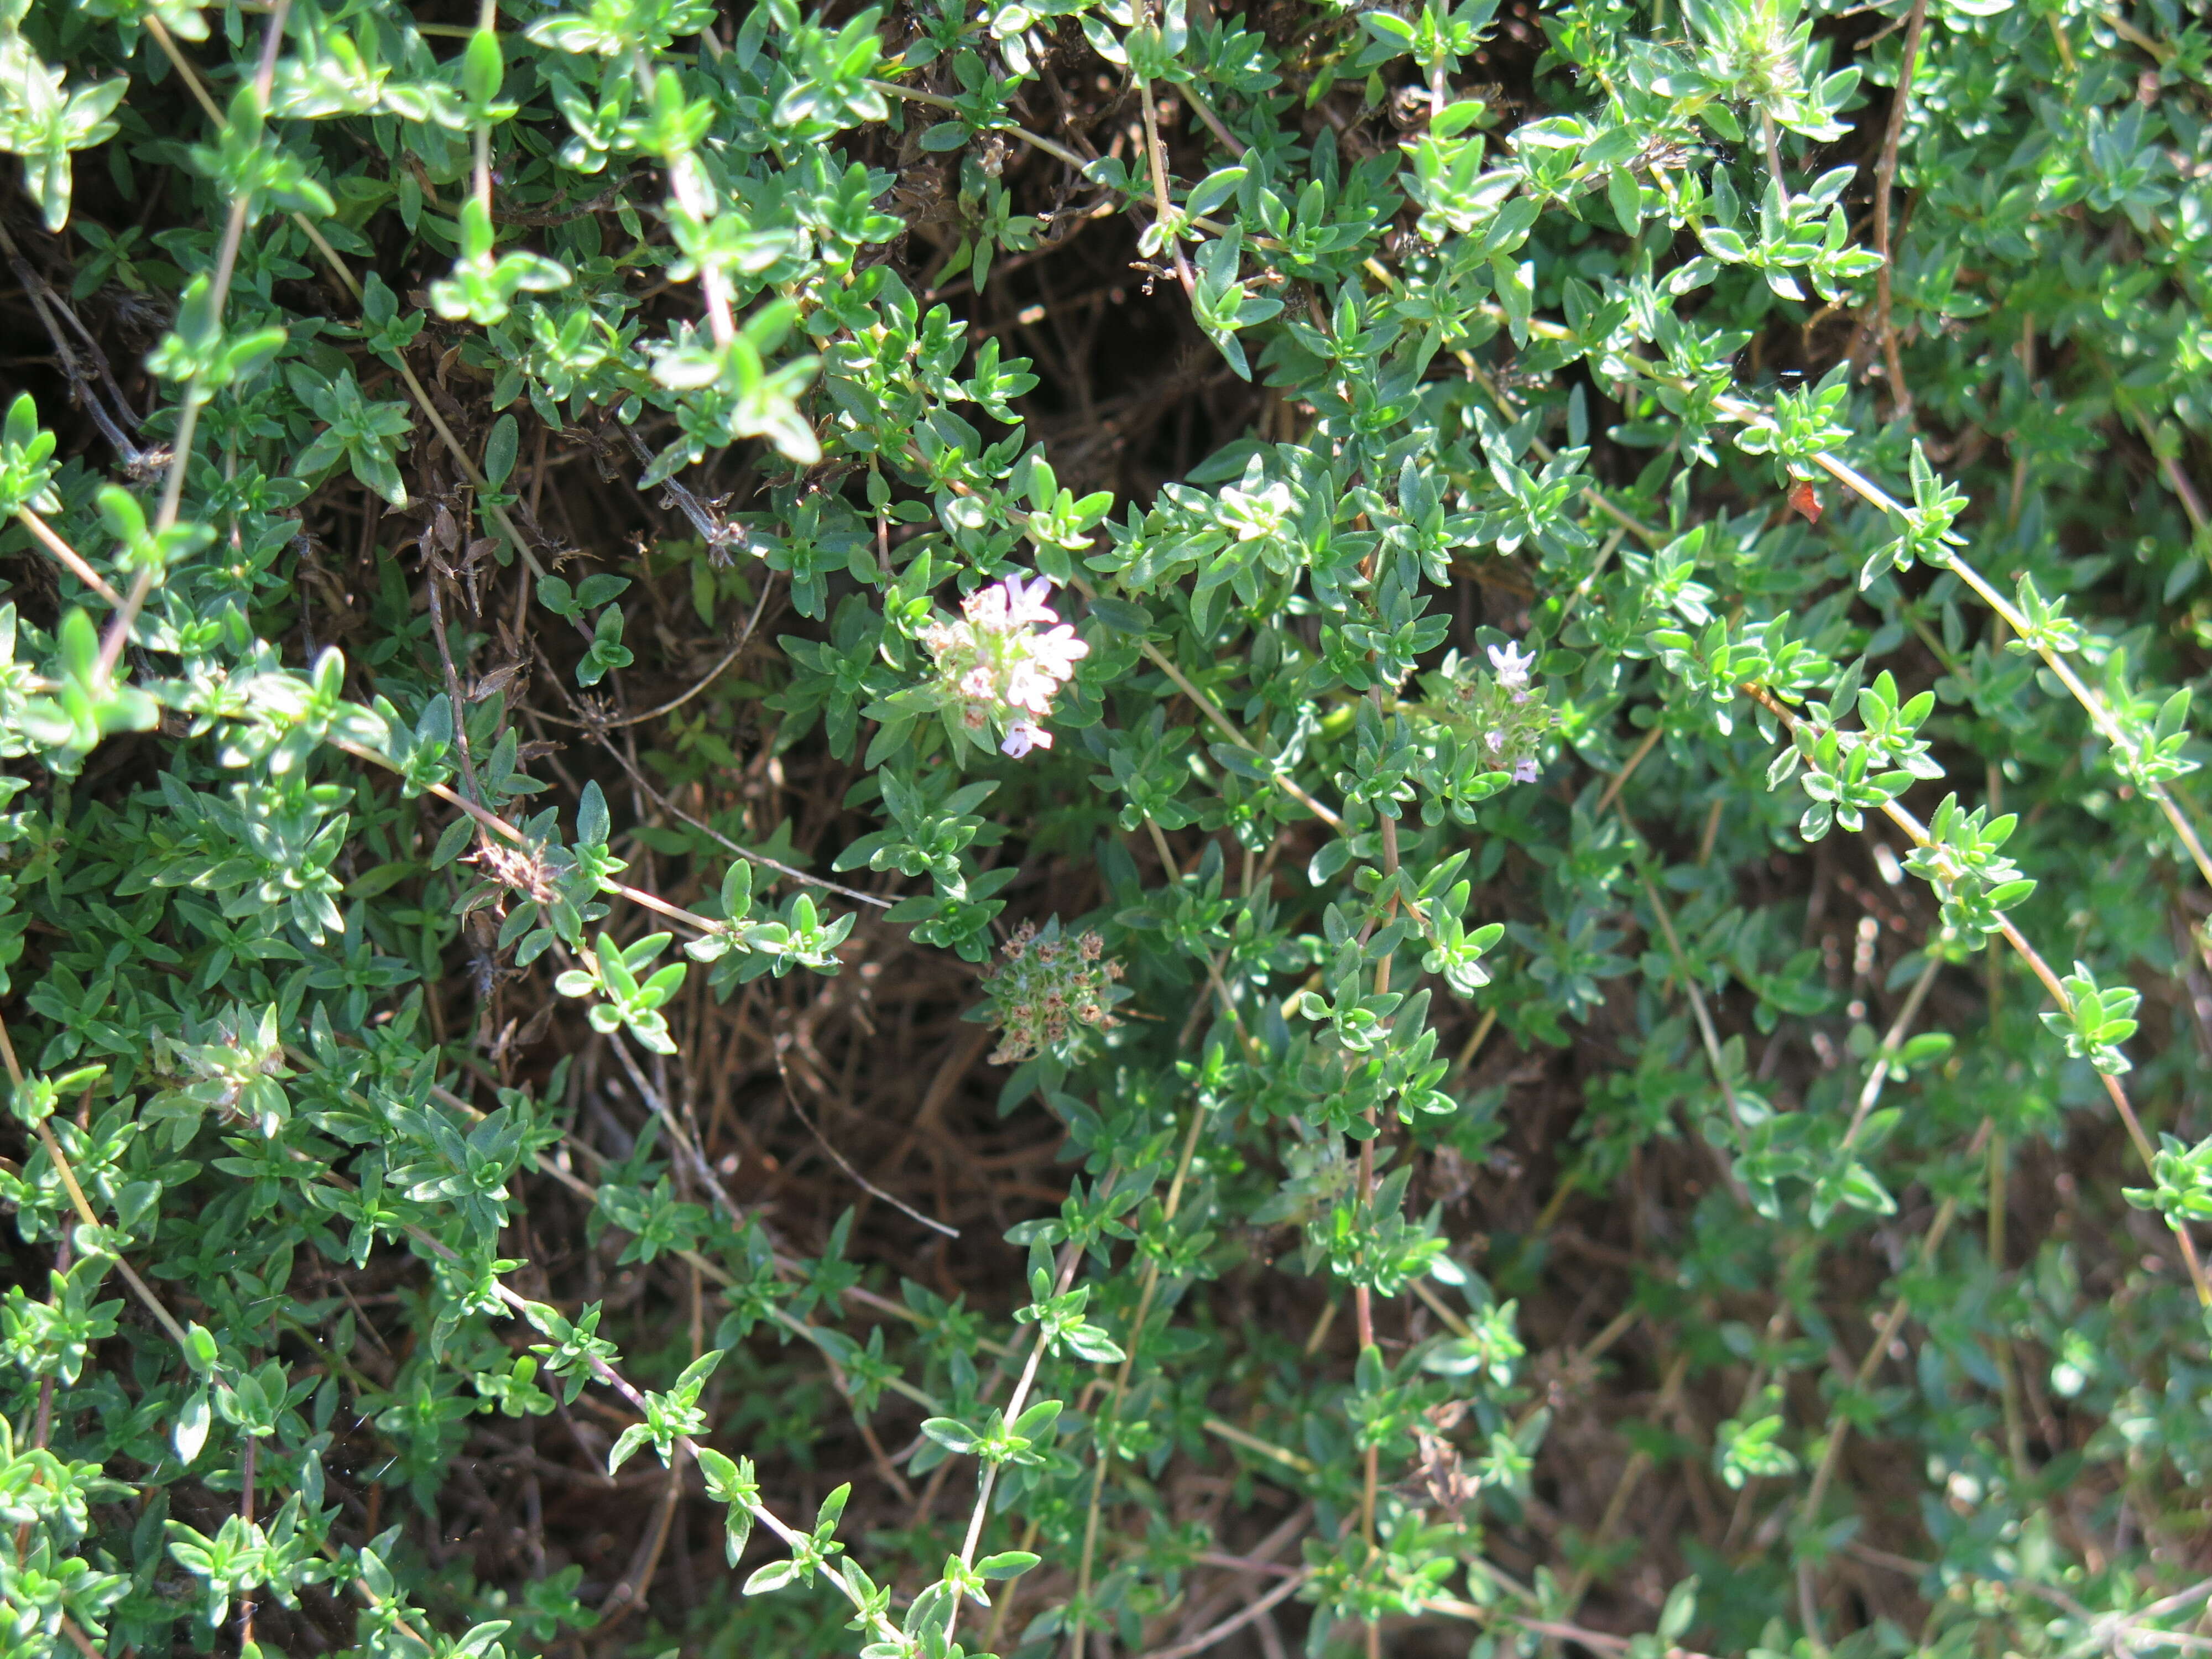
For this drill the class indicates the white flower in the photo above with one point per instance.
(1005, 606)
(1512, 665)
(1024, 736)
(1058, 651)
(985, 609)
(1030, 686)
(1497, 742)
(1030, 601)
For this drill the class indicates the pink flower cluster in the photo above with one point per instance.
(997, 670)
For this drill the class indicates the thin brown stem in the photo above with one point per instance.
(436, 586)
(1058, 152)
(1639, 1465)
(1077, 1640)
(1171, 241)
(1885, 179)
(196, 391)
(1878, 1073)
(1236, 1621)
(1628, 768)
(1190, 94)
(1839, 1426)
(247, 1479)
(84, 1208)
(67, 556)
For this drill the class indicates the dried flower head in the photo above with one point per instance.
(521, 870)
(1048, 989)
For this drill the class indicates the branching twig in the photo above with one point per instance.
(52, 311)
(676, 702)
(1918, 832)
(2056, 660)
(653, 794)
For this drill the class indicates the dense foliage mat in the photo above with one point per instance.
(1085, 828)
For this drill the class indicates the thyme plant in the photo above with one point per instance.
(1527, 666)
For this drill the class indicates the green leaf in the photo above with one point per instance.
(500, 450)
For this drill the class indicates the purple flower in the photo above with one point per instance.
(1512, 665)
(1024, 736)
(1524, 771)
